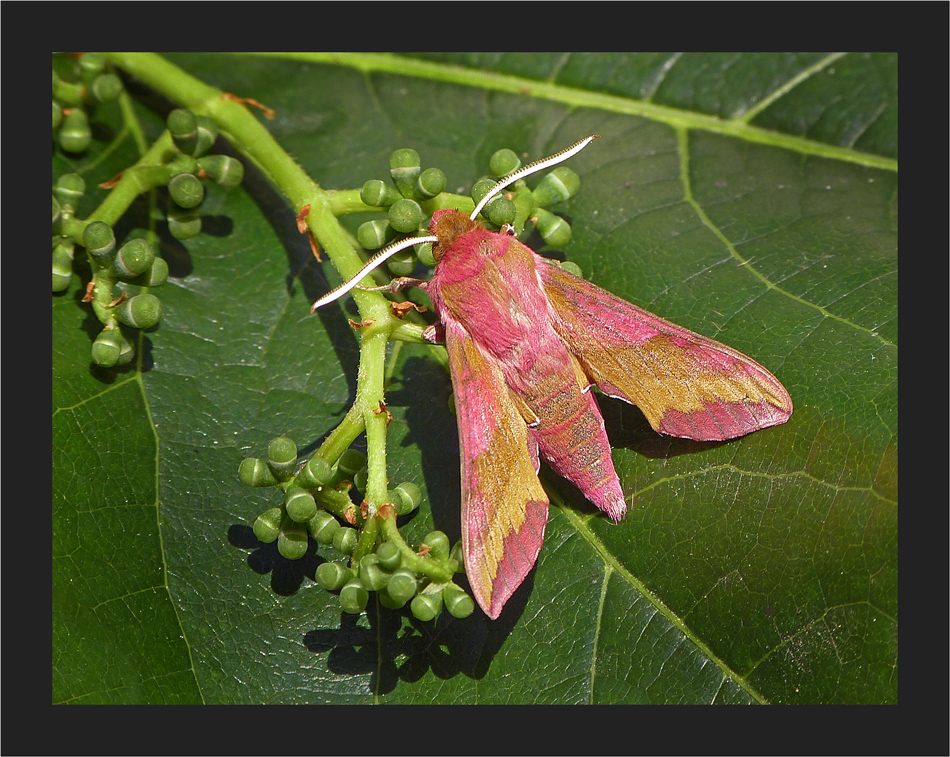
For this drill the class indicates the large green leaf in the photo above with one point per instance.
(752, 198)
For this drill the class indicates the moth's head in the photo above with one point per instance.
(448, 225)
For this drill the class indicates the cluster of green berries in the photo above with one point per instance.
(193, 137)
(80, 84)
(316, 503)
(409, 208)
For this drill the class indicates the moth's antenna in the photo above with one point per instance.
(538, 165)
(371, 265)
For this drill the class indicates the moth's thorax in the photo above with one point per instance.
(450, 226)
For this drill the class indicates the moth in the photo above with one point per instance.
(526, 342)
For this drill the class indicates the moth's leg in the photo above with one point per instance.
(434, 333)
(396, 285)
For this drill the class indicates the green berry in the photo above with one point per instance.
(142, 311)
(69, 189)
(557, 186)
(323, 527)
(402, 263)
(373, 235)
(424, 254)
(402, 586)
(405, 216)
(500, 211)
(75, 134)
(389, 556)
(156, 275)
(404, 167)
(186, 190)
(206, 134)
(353, 597)
(134, 257)
(300, 504)
(426, 607)
(372, 576)
(554, 230)
(430, 183)
(504, 162)
(387, 601)
(378, 194)
(267, 525)
(99, 239)
(126, 350)
(183, 224)
(107, 348)
(438, 544)
(292, 540)
(106, 88)
(317, 472)
(223, 170)
(255, 472)
(57, 114)
(344, 540)
(406, 497)
(90, 66)
(333, 576)
(282, 456)
(62, 266)
(572, 267)
(457, 602)
(183, 126)
(351, 461)
(360, 479)
(481, 188)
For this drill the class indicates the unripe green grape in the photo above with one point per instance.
(206, 134)
(389, 556)
(426, 606)
(404, 167)
(323, 527)
(300, 504)
(74, 134)
(344, 540)
(62, 266)
(107, 348)
(351, 461)
(372, 576)
(142, 311)
(554, 230)
(106, 88)
(402, 585)
(183, 224)
(292, 540)
(333, 576)
(373, 235)
(99, 239)
(457, 602)
(69, 189)
(431, 183)
(186, 190)
(458, 555)
(183, 126)
(378, 194)
(317, 472)
(557, 186)
(387, 601)
(481, 188)
(353, 597)
(504, 162)
(267, 525)
(156, 275)
(223, 170)
(255, 472)
(282, 456)
(57, 114)
(90, 66)
(126, 350)
(424, 254)
(572, 267)
(438, 544)
(133, 258)
(402, 263)
(500, 211)
(67, 92)
(405, 216)
(406, 497)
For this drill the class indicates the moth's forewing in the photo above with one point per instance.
(685, 384)
(504, 507)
